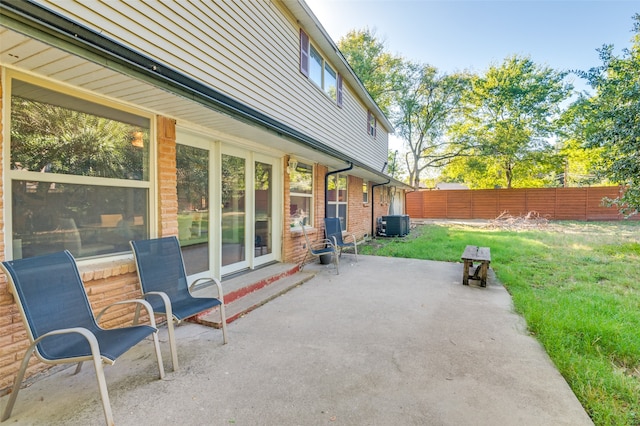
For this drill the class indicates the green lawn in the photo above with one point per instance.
(578, 287)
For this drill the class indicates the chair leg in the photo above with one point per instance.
(223, 320)
(18, 382)
(156, 345)
(172, 344)
(102, 385)
(304, 261)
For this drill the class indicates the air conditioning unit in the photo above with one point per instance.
(396, 225)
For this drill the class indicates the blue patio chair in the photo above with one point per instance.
(333, 229)
(164, 284)
(323, 247)
(60, 323)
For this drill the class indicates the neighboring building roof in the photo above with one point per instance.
(452, 185)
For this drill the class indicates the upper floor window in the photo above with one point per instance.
(371, 124)
(79, 174)
(314, 66)
(300, 195)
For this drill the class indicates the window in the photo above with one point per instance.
(314, 66)
(371, 124)
(300, 195)
(79, 174)
(365, 192)
(337, 198)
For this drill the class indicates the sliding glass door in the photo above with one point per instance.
(193, 166)
(229, 206)
(234, 213)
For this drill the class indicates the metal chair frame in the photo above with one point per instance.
(35, 294)
(163, 281)
(333, 230)
(319, 248)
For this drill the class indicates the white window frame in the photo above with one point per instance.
(337, 203)
(372, 123)
(21, 175)
(294, 221)
(307, 52)
(365, 192)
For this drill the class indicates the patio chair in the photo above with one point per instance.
(333, 229)
(164, 284)
(60, 324)
(319, 248)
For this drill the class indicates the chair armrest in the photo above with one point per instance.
(140, 303)
(165, 299)
(323, 243)
(353, 237)
(91, 338)
(216, 282)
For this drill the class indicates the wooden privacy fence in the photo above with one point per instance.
(551, 203)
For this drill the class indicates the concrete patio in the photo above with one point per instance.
(387, 342)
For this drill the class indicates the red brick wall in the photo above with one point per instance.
(167, 178)
(358, 213)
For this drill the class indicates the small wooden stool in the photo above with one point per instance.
(476, 254)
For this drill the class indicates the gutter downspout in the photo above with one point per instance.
(373, 219)
(326, 185)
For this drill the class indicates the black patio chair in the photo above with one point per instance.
(333, 229)
(60, 324)
(164, 284)
(322, 247)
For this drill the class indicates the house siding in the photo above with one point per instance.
(260, 69)
(209, 42)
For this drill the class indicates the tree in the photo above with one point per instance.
(579, 160)
(509, 115)
(425, 105)
(376, 68)
(64, 141)
(612, 120)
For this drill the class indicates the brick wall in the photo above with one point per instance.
(167, 178)
(359, 213)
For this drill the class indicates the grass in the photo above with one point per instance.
(576, 284)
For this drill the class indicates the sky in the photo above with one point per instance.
(456, 35)
(472, 35)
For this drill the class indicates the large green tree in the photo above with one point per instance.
(509, 117)
(425, 104)
(374, 65)
(418, 100)
(612, 119)
(579, 160)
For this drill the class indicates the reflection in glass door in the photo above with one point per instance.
(193, 207)
(263, 175)
(233, 173)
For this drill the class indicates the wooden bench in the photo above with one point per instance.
(476, 254)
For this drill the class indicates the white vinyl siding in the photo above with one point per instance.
(247, 49)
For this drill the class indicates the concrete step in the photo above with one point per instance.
(250, 291)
